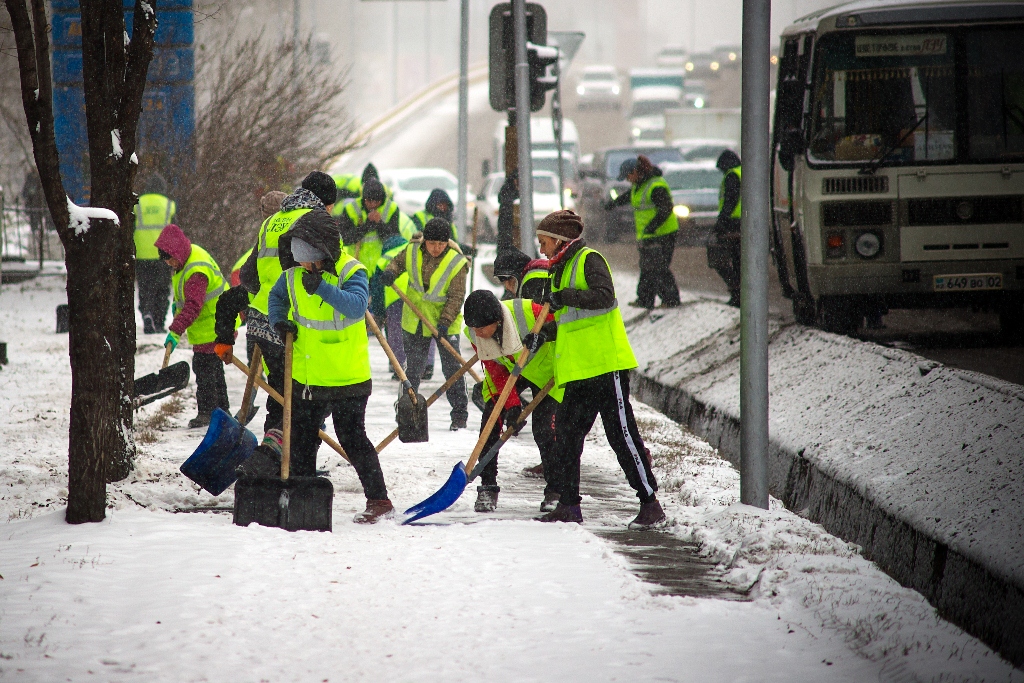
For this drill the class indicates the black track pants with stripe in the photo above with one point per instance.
(608, 395)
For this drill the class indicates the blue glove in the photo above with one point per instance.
(172, 339)
(442, 330)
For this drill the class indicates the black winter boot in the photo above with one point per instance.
(486, 498)
(651, 516)
(550, 500)
(564, 513)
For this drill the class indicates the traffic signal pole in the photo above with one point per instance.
(754, 254)
(463, 165)
(522, 82)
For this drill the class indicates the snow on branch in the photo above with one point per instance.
(80, 216)
(115, 141)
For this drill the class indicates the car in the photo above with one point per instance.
(542, 141)
(728, 56)
(600, 179)
(703, 65)
(545, 200)
(672, 56)
(695, 94)
(598, 86)
(410, 187)
(547, 160)
(647, 112)
(702, 149)
(694, 187)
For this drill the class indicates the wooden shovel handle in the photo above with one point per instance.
(391, 354)
(255, 365)
(286, 447)
(434, 396)
(167, 355)
(433, 330)
(511, 429)
(509, 385)
(262, 384)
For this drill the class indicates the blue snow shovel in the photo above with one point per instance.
(227, 443)
(457, 481)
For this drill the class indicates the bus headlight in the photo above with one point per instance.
(681, 210)
(868, 244)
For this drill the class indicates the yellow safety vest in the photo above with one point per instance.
(201, 331)
(330, 350)
(541, 367)
(402, 282)
(241, 261)
(420, 219)
(430, 299)
(534, 274)
(152, 214)
(590, 342)
(737, 212)
(644, 209)
(350, 184)
(368, 249)
(268, 265)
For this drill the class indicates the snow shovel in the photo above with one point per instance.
(227, 443)
(433, 330)
(290, 503)
(434, 396)
(410, 408)
(457, 480)
(157, 385)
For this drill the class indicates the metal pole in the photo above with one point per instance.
(522, 81)
(463, 164)
(556, 125)
(754, 255)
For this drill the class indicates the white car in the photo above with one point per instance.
(411, 187)
(545, 201)
(647, 114)
(672, 56)
(598, 86)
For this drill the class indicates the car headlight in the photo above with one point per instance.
(681, 210)
(613, 193)
(868, 244)
(699, 103)
(580, 90)
(615, 90)
(636, 132)
(732, 56)
(689, 66)
(714, 66)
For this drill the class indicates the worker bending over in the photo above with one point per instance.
(500, 330)
(437, 288)
(320, 299)
(197, 283)
(592, 362)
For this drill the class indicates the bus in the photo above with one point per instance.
(898, 161)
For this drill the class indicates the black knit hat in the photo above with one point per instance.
(510, 263)
(437, 230)
(373, 191)
(322, 185)
(482, 308)
(369, 172)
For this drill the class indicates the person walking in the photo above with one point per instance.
(499, 331)
(262, 271)
(197, 283)
(153, 212)
(656, 228)
(437, 288)
(724, 249)
(320, 300)
(368, 223)
(592, 362)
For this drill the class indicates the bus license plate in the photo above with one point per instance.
(971, 282)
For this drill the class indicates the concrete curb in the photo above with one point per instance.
(913, 461)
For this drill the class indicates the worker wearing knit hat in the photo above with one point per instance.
(564, 225)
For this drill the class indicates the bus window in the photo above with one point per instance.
(995, 93)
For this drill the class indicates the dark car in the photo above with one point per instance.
(694, 187)
(600, 181)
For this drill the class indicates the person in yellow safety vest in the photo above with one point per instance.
(656, 230)
(349, 185)
(438, 205)
(724, 248)
(521, 276)
(385, 306)
(437, 288)
(500, 330)
(366, 224)
(262, 271)
(320, 300)
(152, 213)
(197, 283)
(592, 363)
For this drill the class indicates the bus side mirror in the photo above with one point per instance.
(790, 145)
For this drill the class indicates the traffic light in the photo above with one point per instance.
(502, 52)
(540, 57)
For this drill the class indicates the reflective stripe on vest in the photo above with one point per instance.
(644, 209)
(437, 292)
(573, 314)
(737, 211)
(202, 330)
(338, 322)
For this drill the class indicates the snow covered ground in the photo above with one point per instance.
(152, 594)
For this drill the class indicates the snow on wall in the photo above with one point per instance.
(919, 463)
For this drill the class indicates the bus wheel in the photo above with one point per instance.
(1011, 321)
(803, 309)
(839, 314)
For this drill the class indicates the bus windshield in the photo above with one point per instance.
(892, 98)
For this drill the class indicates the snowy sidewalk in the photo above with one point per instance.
(151, 595)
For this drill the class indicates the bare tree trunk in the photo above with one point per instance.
(100, 257)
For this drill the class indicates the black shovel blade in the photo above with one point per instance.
(412, 419)
(293, 504)
(174, 377)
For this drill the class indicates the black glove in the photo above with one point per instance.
(286, 327)
(533, 342)
(387, 278)
(311, 280)
(553, 298)
(511, 416)
(442, 330)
